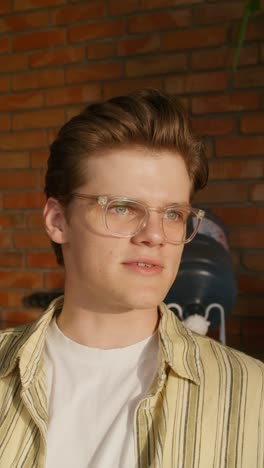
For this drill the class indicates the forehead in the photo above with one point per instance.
(151, 176)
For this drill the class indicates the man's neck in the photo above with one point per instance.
(107, 329)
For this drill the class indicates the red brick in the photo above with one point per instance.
(205, 59)
(1, 200)
(100, 30)
(38, 119)
(14, 318)
(249, 306)
(57, 57)
(6, 7)
(235, 256)
(253, 261)
(11, 259)
(38, 79)
(249, 77)
(159, 21)
(252, 343)
(41, 260)
(11, 102)
(127, 86)
(249, 55)
(197, 82)
(13, 160)
(246, 238)
(233, 102)
(215, 13)
(252, 123)
(119, 8)
(11, 298)
(6, 241)
(233, 326)
(241, 216)
(232, 340)
(39, 159)
(30, 4)
(101, 50)
(20, 180)
(75, 13)
(25, 140)
(20, 279)
(14, 62)
(25, 200)
(158, 64)
(213, 126)
(35, 220)
(223, 192)
(145, 4)
(256, 192)
(26, 22)
(52, 135)
(4, 84)
(12, 220)
(231, 170)
(252, 326)
(182, 40)
(222, 57)
(54, 280)
(255, 30)
(5, 123)
(73, 94)
(31, 240)
(252, 346)
(138, 45)
(240, 146)
(73, 111)
(252, 337)
(106, 71)
(39, 40)
(4, 45)
(248, 284)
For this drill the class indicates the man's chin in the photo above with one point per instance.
(144, 301)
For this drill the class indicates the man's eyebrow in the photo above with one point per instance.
(164, 204)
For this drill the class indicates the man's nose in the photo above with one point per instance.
(153, 232)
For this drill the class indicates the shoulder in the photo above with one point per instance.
(11, 335)
(218, 358)
(25, 339)
(11, 341)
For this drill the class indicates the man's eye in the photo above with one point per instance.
(121, 210)
(173, 215)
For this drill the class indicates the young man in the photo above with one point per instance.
(109, 377)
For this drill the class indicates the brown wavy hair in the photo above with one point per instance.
(148, 118)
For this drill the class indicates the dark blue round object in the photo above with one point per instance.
(206, 273)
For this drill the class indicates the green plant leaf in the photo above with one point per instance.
(251, 7)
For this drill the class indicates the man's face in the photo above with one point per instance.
(107, 271)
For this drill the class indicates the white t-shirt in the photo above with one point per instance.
(92, 397)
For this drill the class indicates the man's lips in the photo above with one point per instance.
(145, 260)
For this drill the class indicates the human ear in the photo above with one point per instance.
(55, 221)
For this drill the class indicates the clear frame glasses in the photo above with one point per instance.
(124, 217)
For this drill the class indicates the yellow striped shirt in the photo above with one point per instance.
(205, 408)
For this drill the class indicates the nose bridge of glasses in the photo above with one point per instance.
(154, 221)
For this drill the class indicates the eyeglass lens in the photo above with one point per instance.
(127, 217)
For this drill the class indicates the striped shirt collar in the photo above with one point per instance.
(179, 348)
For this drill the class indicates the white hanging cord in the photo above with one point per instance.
(194, 324)
(222, 333)
(173, 305)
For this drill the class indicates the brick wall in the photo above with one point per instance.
(57, 55)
